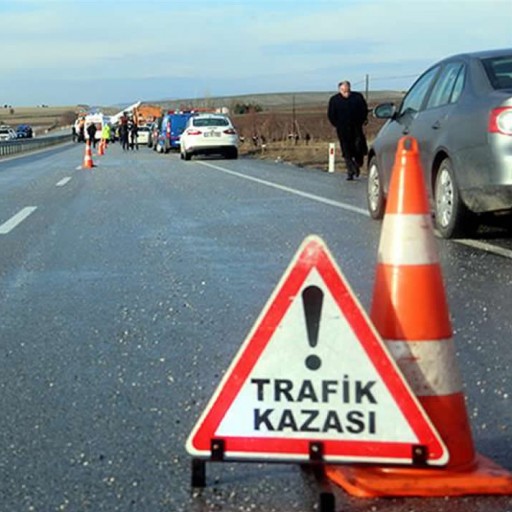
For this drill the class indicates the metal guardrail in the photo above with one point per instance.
(13, 147)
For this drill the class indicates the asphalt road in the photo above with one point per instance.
(126, 291)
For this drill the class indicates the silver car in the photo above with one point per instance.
(460, 112)
(7, 133)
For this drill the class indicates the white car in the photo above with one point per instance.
(143, 134)
(209, 134)
(7, 133)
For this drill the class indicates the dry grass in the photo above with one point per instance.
(275, 126)
(41, 118)
(314, 154)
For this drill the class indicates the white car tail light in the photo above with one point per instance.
(194, 132)
(230, 131)
(500, 120)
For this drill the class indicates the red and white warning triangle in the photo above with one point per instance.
(313, 369)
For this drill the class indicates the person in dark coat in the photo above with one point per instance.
(123, 133)
(91, 131)
(133, 131)
(348, 112)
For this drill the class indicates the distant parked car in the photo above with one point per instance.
(460, 112)
(24, 131)
(154, 129)
(207, 134)
(7, 133)
(172, 126)
(143, 134)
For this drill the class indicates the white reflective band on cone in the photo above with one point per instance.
(430, 367)
(400, 243)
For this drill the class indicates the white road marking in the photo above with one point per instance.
(9, 225)
(63, 182)
(307, 195)
(476, 244)
(483, 246)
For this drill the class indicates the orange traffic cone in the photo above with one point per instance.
(410, 312)
(101, 147)
(88, 163)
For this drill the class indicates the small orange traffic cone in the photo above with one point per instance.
(410, 312)
(88, 163)
(101, 147)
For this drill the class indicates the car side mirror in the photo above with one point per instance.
(385, 111)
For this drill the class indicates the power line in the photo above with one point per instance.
(394, 77)
(391, 77)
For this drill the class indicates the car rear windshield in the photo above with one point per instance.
(499, 71)
(211, 121)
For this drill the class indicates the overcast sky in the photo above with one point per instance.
(64, 52)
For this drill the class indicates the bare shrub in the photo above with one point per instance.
(67, 118)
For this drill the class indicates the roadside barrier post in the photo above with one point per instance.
(332, 147)
(410, 312)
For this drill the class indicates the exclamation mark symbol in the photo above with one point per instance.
(312, 298)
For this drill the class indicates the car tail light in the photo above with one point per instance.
(500, 120)
(230, 131)
(194, 132)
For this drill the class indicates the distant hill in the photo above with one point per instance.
(271, 100)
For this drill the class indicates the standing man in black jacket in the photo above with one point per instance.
(91, 131)
(348, 113)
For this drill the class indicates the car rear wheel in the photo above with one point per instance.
(375, 191)
(452, 218)
(187, 156)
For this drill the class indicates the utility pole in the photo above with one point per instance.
(367, 86)
(293, 114)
